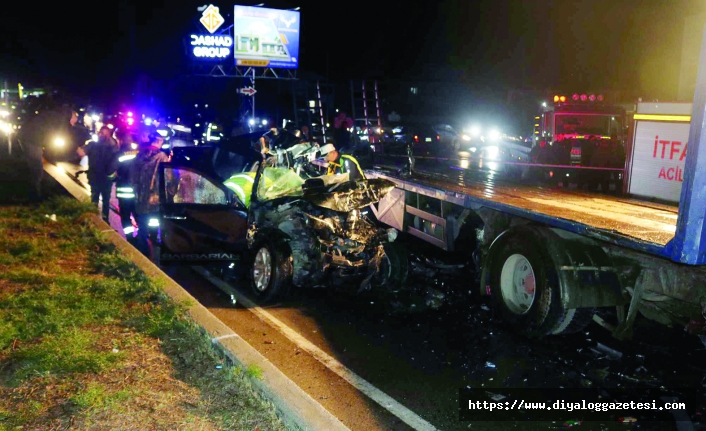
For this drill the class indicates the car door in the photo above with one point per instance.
(201, 220)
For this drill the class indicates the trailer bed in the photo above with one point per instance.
(635, 224)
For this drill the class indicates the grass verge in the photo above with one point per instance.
(87, 341)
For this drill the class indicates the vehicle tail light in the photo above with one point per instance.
(542, 144)
(551, 174)
(438, 138)
(416, 138)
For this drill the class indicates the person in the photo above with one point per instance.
(341, 163)
(341, 134)
(144, 180)
(123, 188)
(305, 133)
(35, 134)
(102, 165)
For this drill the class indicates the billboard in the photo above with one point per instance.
(265, 37)
(211, 46)
(659, 151)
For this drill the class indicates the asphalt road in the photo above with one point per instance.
(422, 359)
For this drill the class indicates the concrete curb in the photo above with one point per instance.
(296, 408)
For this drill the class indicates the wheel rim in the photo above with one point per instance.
(384, 273)
(518, 284)
(262, 269)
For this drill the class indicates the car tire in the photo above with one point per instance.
(394, 268)
(270, 271)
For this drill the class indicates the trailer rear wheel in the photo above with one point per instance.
(526, 289)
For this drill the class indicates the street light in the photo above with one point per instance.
(544, 104)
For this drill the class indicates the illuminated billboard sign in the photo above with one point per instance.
(265, 37)
(210, 46)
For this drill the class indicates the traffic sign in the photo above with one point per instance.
(248, 91)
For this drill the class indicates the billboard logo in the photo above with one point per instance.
(211, 19)
(287, 22)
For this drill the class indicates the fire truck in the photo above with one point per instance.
(580, 140)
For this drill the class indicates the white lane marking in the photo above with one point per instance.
(386, 401)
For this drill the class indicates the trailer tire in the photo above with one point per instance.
(547, 313)
(270, 270)
(519, 262)
(571, 321)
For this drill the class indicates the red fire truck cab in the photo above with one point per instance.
(581, 140)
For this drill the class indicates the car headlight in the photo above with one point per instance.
(491, 152)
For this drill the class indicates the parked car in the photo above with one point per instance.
(426, 140)
(286, 228)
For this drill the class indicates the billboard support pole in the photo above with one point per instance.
(252, 84)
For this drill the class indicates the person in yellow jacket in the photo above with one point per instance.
(341, 163)
(242, 185)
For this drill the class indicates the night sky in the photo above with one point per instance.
(628, 44)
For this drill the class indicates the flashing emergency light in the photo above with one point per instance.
(95, 117)
(251, 122)
(592, 97)
(600, 97)
(556, 98)
(148, 121)
(264, 122)
(130, 121)
(562, 99)
(575, 97)
(129, 114)
(583, 97)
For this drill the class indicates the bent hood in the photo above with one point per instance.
(348, 196)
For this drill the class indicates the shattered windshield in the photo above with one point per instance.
(278, 182)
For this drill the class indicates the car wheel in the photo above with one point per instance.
(270, 272)
(394, 268)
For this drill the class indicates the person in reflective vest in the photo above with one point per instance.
(123, 188)
(341, 163)
(242, 185)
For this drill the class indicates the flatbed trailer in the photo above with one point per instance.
(587, 252)
(551, 260)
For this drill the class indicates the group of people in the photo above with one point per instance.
(338, 163)
(132, 166)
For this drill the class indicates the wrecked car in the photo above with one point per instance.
(224, 203)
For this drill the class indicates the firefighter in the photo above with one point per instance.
(341, 163)
(123, 188)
